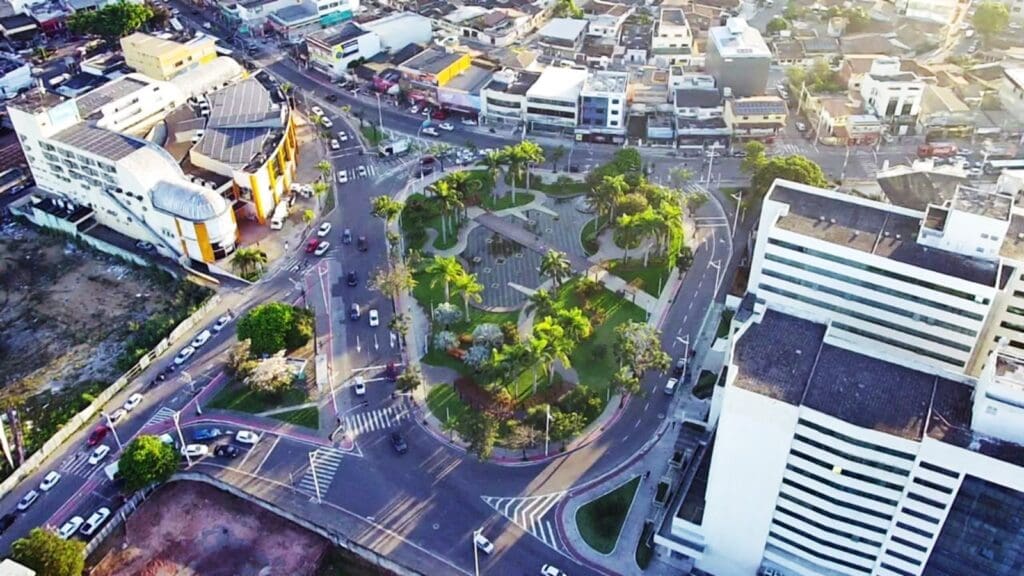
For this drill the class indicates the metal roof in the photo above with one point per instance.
(109, 92)
(242, 117)
(110, 145)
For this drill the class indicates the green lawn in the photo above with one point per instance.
(445, 403)
(650, 279)
(494, 204)
(593, 359)
(308, 417)
(422, 213)
(588, 237)
(372, 135)
(239, 398)
(562, 186)
(705, 384)
(600, 521)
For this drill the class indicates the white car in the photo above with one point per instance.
(342, 136)
(70, 527)
(133, 402)
(207, 26)
(469, 122)
(324, 230)
(549, 570)
(335, 145)
(49, 481)
(317, 110)
(446, 126)
(95, 521)
(322, 248)
(414, 110)
(118, 414)
(184, 355)
(326, 123)
(200, 339)
(195, 450)
(361, 170)
(431, 132)
(481, 542)
(99, 454)
(247, 437)
(374, 317)
(342, 177)
(360, 386)
(221, 322)
(27, 500)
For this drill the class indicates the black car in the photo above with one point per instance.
(332, 98)
(226, 451)
(398, 442)
(353, 278)
(206, 434)
(5, 522)
(362, 244)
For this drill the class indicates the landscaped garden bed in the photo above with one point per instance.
(600, 521)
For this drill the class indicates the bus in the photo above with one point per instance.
(997, 166)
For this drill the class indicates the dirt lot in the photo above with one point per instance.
(193, 529)
(64, 310)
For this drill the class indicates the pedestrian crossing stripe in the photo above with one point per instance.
(326, 462)
(379, 419)
(529, 513)
(78, 464)
(161, 415)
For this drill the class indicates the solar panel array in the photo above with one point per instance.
(110, 145)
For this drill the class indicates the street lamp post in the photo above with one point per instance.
(717, 265)
(547, 430)
(736, 213)
(476, 556)
(316, 481)
(181, 437)
(110, 424)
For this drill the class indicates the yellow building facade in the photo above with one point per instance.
(162, 58)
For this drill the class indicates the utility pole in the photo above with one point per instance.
(547, 430)
(181, 437)
(110, 424)
(316, 481)
(476, 556)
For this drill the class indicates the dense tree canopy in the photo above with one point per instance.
(276, 326)
(49, 554)
(991, 18)
(111, 22)
(795, 168)
(145, 461)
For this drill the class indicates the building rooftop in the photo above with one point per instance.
(292, 15)
(917, 188)
(699, 97)
(558, 83)
(516, 82)
(432, 61)
(471, 79)
(567, 29)
(737, 39)
(1013, 244)
(982, 203)
(868, 227)
(91, 102)
(604, 81)
(776, 357)
(636, 37)
(9, 64)
(758, 106)
(243, 119)
(109, 145)
(672, 17)
(330, 37)
(897, 77)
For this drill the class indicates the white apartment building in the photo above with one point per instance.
(892, 95)
(603, 103)
(553, 102)
(503, 99)
(672, 40)
(939, 11)
(828, 460)
(398, 30)
(916, 285)
(332, 50)
(89, 157)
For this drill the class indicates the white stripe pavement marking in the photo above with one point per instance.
(387, 417)
(529, 513)
(267, 455)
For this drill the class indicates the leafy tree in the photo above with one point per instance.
(248, 261)
(550, 343)
(776, 25)
(513, 157)
(275, 326)
(147, 460)
(556, 154)
(400, 324)
(386, 208)
(470, 289)
(755, 156)
(49, 554)
(240, 361)
(991, 18)
(638, 346)
(625, 381)
(574, 323)
(793, 11)
(795, 168)
(393, 281)
(695, 201)
(481, 432)
(447, 314)
(448, 270)
(325, 169)
(521, 437)
(477, 356)
(320, 190)
(565, 425)
(583, 400)
(531, 153)
(680, 176)
(271, 376)
(410, 379)
(536, 415)
(857, 20)
(112, 22)
(541, 303)
(556, 265)
(446, 340)
(493, 161)
(685, 259)
(488, 334)
(308, 216)
(567, 9)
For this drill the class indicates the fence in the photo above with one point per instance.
(120, 517)
(76, 422)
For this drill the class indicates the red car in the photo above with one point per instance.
(311, 245)
(98, 435)
(439, 114)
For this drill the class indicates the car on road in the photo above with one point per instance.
(206, 434)
(247, 437)
(331, 98)
(680, 366)
(801, 127)
(322, 248)
(361, 170)
(374, 317)
(201, 339)
(195, 450)
(359, 386)
(481, 542)
(184, 355)
(98, 454)
(95, 521)
(414, 110)
(118, 414)
(353, 312)
(335, 145)
(324, 229)
(226, 451)
(398, 443)
(468, 122)
(70, 527)
(974, 173)
(97, 435)
(446, 126)
(549, 570)
(346, 236)
(221, 322)
(428, 131)
(342, 176)
(49, 481)
(317, 110)
(143, 245)
(965, 151)
(27, 500)
(6, 521)
(352, 279)
(670, 386)
(326, 122)
(311, 245)
(207, 26)
(361, 244)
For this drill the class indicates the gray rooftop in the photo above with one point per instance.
(698, 98)
(242, 119)
(91, 102)
(336, 35)
(776, 357)
(759, 106)
(1013, 244)
(874, 231)
(432, 61)
(983, 203)
(520, 85)
(673, 17)
(916, 190)
(109, 145)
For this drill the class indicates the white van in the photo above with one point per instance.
(670, 386)
(276, 223)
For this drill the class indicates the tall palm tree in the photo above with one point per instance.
(470, 289)
(540, 303)
(386, 208)
(606, 193)
(549, 344)
(400, 324)
(459, 182)
(308, 216)
(448, 198)
(320, 190)
(556, 154)
(512, 157)
(556, 265)
(532, 154)
(628, 224)
(493, 161)
(248, 260)
(448, 270)
(325, 169)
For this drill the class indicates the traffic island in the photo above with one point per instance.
(600, 521)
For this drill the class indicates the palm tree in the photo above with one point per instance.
(556, 265)
(386, 208)
(512, 157)
(605, 194)
(493, 161)
(549, 344)
(448, 270)
(320, 190)
(248, 260)
(556, 154)
(532, 154)
(400, 324)
(308, 216)
(628, 224)
(393, 281)
(575, 323)
(325, 169)
(448, 198)
(470, 289)
(459, 182)
(541, 303)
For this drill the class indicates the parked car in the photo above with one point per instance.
(184, 355)
(143, 245)
(200, 339)
(206, 434)
(332, 98)
(446, 126)
(322, 248)
(342, 177)
(481, 542)
(353, 312)
(5, 522)
(70, 527)
(195, 450)
(549, 570)
(352, 279)
(326, 122)
(97, 435)
(361, 170)
(374, 317)
(680, 366)
(221, 322)
(49, 481)
(335, 145)
(362, 244)
(469, 122)
(247, 437)
(428, 131)
(800, 126)
(346, 236)
(27, 500)
(398, 443)
(317, 110)
(311, 245)
(670, 386)
(98, 454)
(95, 521)
(118, 414)
(342, 136)
(226, 451)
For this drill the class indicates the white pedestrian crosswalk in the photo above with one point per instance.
(161, 415)
(788, 148)
(325, 462)
(530, 514)
(380, 419)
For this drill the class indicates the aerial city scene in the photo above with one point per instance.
(512, 287)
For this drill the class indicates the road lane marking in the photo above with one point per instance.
(267, 455)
